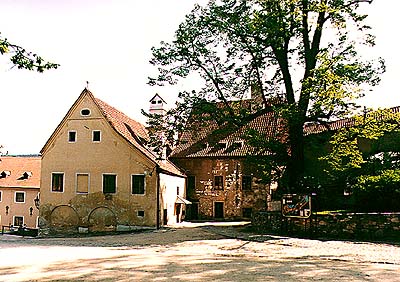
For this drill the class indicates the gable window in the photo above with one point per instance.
(19, 197)
(82, 183)
(218, 182)
(57, 182)
(154, 102)
(18, 220)
(85, 112)
(71, 136)
(246, 182)
(109, 183)
(138, 184)
(96, 136)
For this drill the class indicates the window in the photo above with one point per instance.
(218, 182)
(191, 184)
(177, 190)
(247, 212)
(82, 183)
(72, 136)
(20, 197)
(1, 196)
(18, 220)
(57, 182)
(154, 102)
(5, 173)
(140, 213)
(137, 184)
(246, 182)
(221, 145)
(109, 183)
(159, 102)
(85, 112)
(96, 136)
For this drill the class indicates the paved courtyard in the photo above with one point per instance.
(195, 252)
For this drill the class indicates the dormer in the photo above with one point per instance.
(25, 175)
(157, 105)
(5, 173)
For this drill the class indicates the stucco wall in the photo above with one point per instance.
(168, 196)
(18, 209)
(112, 155)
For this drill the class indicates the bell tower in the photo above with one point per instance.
(157, 105)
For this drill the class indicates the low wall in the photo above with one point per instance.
(366, 226)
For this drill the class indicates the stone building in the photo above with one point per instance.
(19, 187)
(221, 183)
(99, 175)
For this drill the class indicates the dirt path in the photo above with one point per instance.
(195, 253)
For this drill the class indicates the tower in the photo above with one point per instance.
(157, 105)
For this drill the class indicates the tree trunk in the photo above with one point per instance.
(295, 167)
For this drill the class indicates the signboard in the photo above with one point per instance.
(294, 205)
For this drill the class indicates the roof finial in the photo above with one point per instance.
(87, 85)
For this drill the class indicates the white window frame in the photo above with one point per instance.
(23, 220)
(144, 184)
(101, 135)
(51, 181)
(116, 182)
(90, 112)
(15, 197)
(76, 136)
(76, 182)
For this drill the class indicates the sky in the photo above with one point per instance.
(108, 43)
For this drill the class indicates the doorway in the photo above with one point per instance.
(219, 209)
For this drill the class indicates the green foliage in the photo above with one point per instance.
(23, 59)
(274, 47)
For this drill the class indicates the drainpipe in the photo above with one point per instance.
(158, 197)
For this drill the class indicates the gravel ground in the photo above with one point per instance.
(195, 252)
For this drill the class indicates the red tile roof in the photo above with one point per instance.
(134, 132)
(205, 141)
(18, 166)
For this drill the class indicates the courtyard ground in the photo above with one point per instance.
(195, 252)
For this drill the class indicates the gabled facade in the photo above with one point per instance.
(19, 187)
(221, 184)
(98, 174)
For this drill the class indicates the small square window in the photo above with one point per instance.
(72, 136)
(57, 182)
(18, 220)
(218, 182)
(20, 197)
(140, 213)
(96, 136)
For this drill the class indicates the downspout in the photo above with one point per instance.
(158, 197)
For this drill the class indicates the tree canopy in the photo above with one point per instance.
(23, 59)
(303, 53)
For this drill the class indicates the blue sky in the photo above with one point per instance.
(108, 44)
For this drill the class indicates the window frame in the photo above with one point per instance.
(75, 136)
(1, 196)
(52, 179)
(76, 182)
(93, 135)
(221, 186)
(144, 184)
(140, 211)
(116, 183)
(23, 220)
(86, 109)
(15, 197)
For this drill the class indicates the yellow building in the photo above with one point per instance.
(19, 187)
(98, 174)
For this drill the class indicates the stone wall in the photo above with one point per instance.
(365, 226)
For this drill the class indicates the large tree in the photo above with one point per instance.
(301, 52)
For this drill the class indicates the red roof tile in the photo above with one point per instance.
(18, 166)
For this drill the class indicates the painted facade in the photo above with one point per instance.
(19, 186)
(98, 174)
